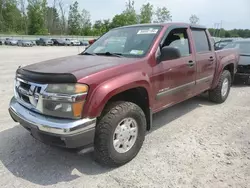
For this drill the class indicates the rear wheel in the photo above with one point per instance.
(119, 134)
(221, 92)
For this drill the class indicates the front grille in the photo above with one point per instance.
(28, 93)
(243, 69)
(25, 98)
(25, 86)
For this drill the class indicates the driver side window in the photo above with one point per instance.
(178, 38)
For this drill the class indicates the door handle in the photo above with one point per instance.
(191, 63)
(211, 58)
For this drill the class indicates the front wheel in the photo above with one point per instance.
(120, 134)
(221, 92)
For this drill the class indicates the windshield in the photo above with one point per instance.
(243, 46)
(128, 41)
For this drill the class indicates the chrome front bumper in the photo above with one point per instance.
(63, 129)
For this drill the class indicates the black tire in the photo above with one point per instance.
(104, 151)
(215, 95)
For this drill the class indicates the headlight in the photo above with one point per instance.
(67, 88)
(65, 100)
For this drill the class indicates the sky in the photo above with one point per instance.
(231, 13)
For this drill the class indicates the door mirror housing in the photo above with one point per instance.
(169, 53)
(216, 46)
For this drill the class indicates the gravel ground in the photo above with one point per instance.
(193, 144)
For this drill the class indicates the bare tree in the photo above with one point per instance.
(50, 17)
(1, 15)
(63, 19)
(23, 11)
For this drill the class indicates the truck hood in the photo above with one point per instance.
(244, 60)
(78, 66)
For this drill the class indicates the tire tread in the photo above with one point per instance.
(215, 94)
(104, 129)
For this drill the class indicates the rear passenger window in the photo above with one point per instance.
(201, 41)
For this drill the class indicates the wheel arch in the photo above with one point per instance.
(138, 96)
(133, 90)
(230, 66)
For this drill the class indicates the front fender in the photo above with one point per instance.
(105, 91)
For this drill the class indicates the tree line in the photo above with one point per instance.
(243, 33)
(36, 17)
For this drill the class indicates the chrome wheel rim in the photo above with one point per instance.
(125, 135)
(224, 88)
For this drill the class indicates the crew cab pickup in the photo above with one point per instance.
(105, 96)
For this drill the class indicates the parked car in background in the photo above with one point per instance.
(106, 96)
(6, 41)
(59, 42)
(92, 41)
(10, 41)
(33, 42)
(222, 43)
(84, 43)
(25, 43)
(73, 42)
(67, 42)
(243, 69)
(44, 42)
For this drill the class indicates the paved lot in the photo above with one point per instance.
(194, 144)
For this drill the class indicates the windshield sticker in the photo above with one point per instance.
(147, 31)
(137, 52)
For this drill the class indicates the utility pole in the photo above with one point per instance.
(217, 29)
(220, 28)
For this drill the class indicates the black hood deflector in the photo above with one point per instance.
(45, 78)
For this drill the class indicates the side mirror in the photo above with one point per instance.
(169, 53)
(216, 45)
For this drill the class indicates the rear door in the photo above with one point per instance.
(204, 58)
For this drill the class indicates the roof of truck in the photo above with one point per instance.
(167, 24)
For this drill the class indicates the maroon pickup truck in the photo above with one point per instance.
(105, 96)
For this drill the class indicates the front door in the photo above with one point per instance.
(175, 79)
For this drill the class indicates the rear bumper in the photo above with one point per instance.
(54, 131)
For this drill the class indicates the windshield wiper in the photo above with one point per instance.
(87, 53)
(111, 54)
